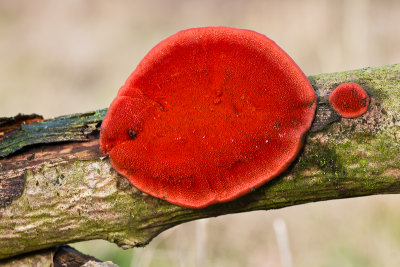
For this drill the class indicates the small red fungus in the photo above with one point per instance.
(349, 100)
(208, 115)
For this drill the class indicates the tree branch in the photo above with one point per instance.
(55, 191)
(58, 256)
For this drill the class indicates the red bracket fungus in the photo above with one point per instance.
(208, 115)
(349, 100)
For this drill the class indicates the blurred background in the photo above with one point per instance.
(62, 57)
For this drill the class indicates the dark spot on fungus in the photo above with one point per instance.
(349, 100)
(202, 149)
(132, 134)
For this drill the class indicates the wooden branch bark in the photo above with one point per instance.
(58, 256)
(54, 190)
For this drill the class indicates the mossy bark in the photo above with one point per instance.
(54, 190)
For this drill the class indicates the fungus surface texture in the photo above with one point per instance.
(349, 100)
(208, 115)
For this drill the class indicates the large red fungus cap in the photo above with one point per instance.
(208, 115)
(349, 100)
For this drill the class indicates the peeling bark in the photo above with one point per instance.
(71, 193)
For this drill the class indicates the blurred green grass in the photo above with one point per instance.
(61, 57)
